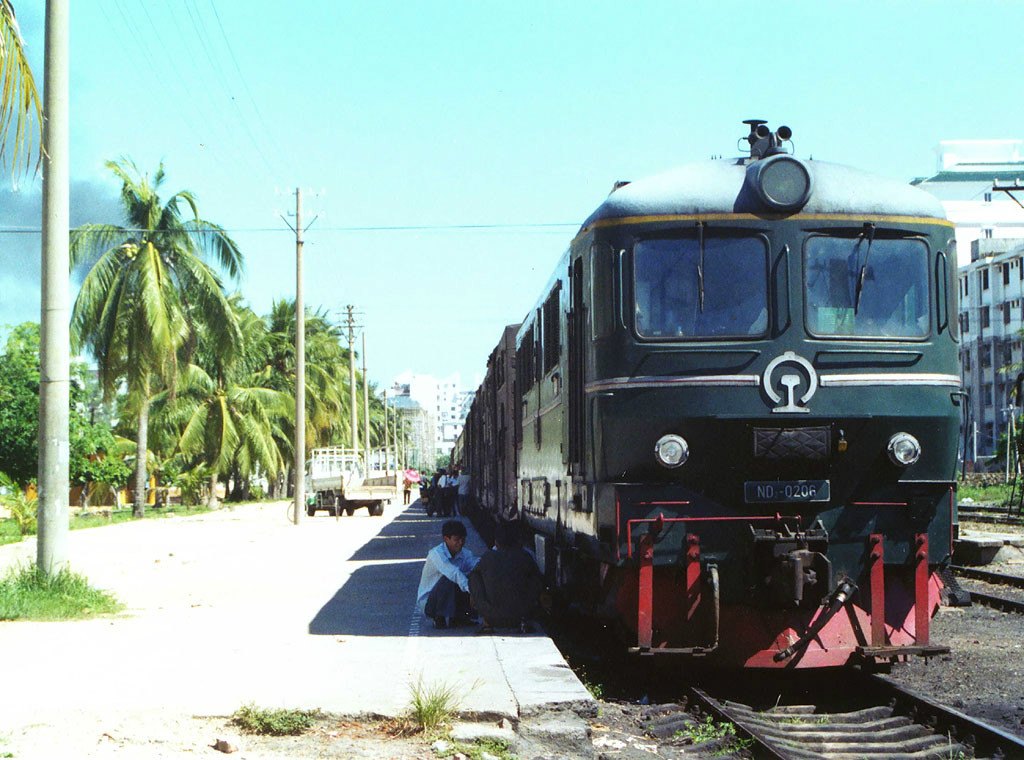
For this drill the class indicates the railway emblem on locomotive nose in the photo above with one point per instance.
(789, 382)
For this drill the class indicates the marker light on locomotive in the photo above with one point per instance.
(904, 449)
(671, 450)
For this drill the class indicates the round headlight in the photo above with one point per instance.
(904, 449)
(782, 182)
(671, 450)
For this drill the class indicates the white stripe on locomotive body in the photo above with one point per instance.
(693, 381)
(899, 378)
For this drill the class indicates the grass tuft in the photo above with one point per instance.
(28, 593)
(280, 722)
(481, 749)
(432, 706)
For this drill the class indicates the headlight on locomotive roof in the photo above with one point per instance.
(904, 449)
(671, 450)
(781, 182)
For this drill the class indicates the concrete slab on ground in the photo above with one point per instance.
(241, 606)
(977, 547)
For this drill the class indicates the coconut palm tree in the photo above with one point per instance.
(222, 415)
(146, 283)
(19, 100)
(326, 368)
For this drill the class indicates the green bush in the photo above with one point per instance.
(281, 722)
(10, 533)
(28, 593)
(22, 509)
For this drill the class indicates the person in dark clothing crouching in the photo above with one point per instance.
(505, 583)
(443, 593)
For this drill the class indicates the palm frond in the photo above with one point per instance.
(19, 99)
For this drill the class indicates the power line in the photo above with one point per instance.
(207, 44)
(245, 84)
(382, 228)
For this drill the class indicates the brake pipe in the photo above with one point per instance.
(835, 602)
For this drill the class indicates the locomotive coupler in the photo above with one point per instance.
(791, 567)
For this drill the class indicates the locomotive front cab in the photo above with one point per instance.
(773, 419)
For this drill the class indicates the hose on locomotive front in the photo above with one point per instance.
(835, 602)
(716, 594)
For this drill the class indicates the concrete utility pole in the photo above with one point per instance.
(366, 404)
(1009, 439)
(350, 322)
(300, 366)
(387, 438)
(54, 331)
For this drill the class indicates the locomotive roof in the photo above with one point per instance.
(717, 187)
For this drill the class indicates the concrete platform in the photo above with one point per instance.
(237, 607)
(975, 547)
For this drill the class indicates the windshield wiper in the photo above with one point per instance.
(869, 230)
(700, 265)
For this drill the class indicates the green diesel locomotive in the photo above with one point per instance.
(731, 421)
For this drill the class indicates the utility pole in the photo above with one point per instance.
(55, 339)
(398, 443)
(300, 364)
(366, 405)
(975, 446)
(350, 323)
(387, 438)
(1009, 439)
(300, 368)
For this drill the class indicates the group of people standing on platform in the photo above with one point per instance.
(448, 493)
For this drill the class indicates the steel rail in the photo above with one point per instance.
(986, 740)
(991, 519)
(997, 602)
(889, 721)
(764, 747)
(988, 576)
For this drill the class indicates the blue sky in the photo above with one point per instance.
(455, 114)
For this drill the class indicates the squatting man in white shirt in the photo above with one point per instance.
(444, 585)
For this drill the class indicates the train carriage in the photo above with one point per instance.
(736, 412)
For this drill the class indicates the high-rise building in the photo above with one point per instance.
(445, 401)
(991, 317)
(963, 183)
(989, 237)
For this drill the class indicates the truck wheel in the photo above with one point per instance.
(377, 509)
(349, 511)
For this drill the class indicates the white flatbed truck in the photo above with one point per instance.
(343, 480)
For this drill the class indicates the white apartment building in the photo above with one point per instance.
(989, 237)
(966, 172)
(445, 401)
(991, 319)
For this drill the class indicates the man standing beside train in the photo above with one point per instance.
(443, 594)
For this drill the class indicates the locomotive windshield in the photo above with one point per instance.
(694, 288)
(873, 288)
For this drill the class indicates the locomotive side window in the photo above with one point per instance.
(864, 287)
(552, 328)
(602, 290)
(688, 287)
(525, 358)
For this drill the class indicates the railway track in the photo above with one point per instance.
(992, 518)
(874, 719)
(1001, 603)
